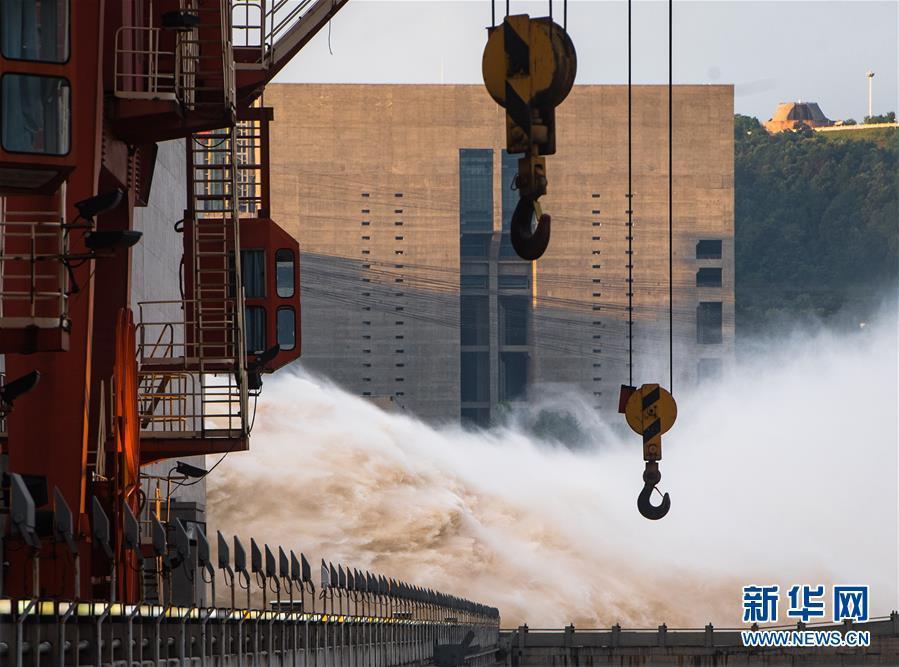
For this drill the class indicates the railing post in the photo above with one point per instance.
(663, 634)
(709, 635)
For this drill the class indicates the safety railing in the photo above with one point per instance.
(181, 393)
(261, 23)
(34, 278)
(543, 640)
(143, 70)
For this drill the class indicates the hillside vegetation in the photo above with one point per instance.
(817, 224)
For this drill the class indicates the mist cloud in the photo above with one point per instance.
(784, 471)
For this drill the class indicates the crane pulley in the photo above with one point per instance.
(650, 411)
(529, 66)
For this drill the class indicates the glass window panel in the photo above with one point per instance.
(287, 328)
(475, 245)
(474, 282)
(708, 277)
(708, 249)
(254, 329)
(514, 375)
(475, 376)
(514, 282)
(509, 196)
(476, 189)
(252, 270)
(284, 272)
(476, 417)
(708, 322)
(35, 30)
(475, 320)
(35, 114)
(514, 316)
(506, 251)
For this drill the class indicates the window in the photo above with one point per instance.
(708, 322)
(252, 270)
(514, 282)
(708, 277)
(479, 417)
(509, 202)
(475, 376)
(513, 375)
(709, 369)
(35, 114)
(284, 273)
(474, 282)
(506, 251)
(475, 245)
(476, 189)
(475, 320)
(514, 313)
(254, 329)
(708, 249)
(35, 30)
(287, 328)
(509, 194)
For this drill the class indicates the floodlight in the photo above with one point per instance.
(188, 470)
(99, 204)
(112, 239)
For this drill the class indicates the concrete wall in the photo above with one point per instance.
(342, 153)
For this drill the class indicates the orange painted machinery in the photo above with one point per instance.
(95, 386)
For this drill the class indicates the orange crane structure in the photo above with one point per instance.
(94, 385)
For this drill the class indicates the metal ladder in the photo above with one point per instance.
(207, 58)
(217, 300)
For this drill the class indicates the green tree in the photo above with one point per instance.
(815, 224)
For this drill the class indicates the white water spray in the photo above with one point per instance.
(783, 472)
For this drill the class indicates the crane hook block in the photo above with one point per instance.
(650, 412)
(529, 67)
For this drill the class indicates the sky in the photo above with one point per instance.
(771, 51)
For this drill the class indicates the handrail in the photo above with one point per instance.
(34, 246)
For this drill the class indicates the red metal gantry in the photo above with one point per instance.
(87, 89)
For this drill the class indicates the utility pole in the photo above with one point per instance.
(870, 93)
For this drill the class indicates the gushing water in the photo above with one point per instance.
(784, 471)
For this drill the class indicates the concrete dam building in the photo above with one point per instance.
(401, 197)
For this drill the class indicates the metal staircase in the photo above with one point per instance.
(217, 284)
(193, 367)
